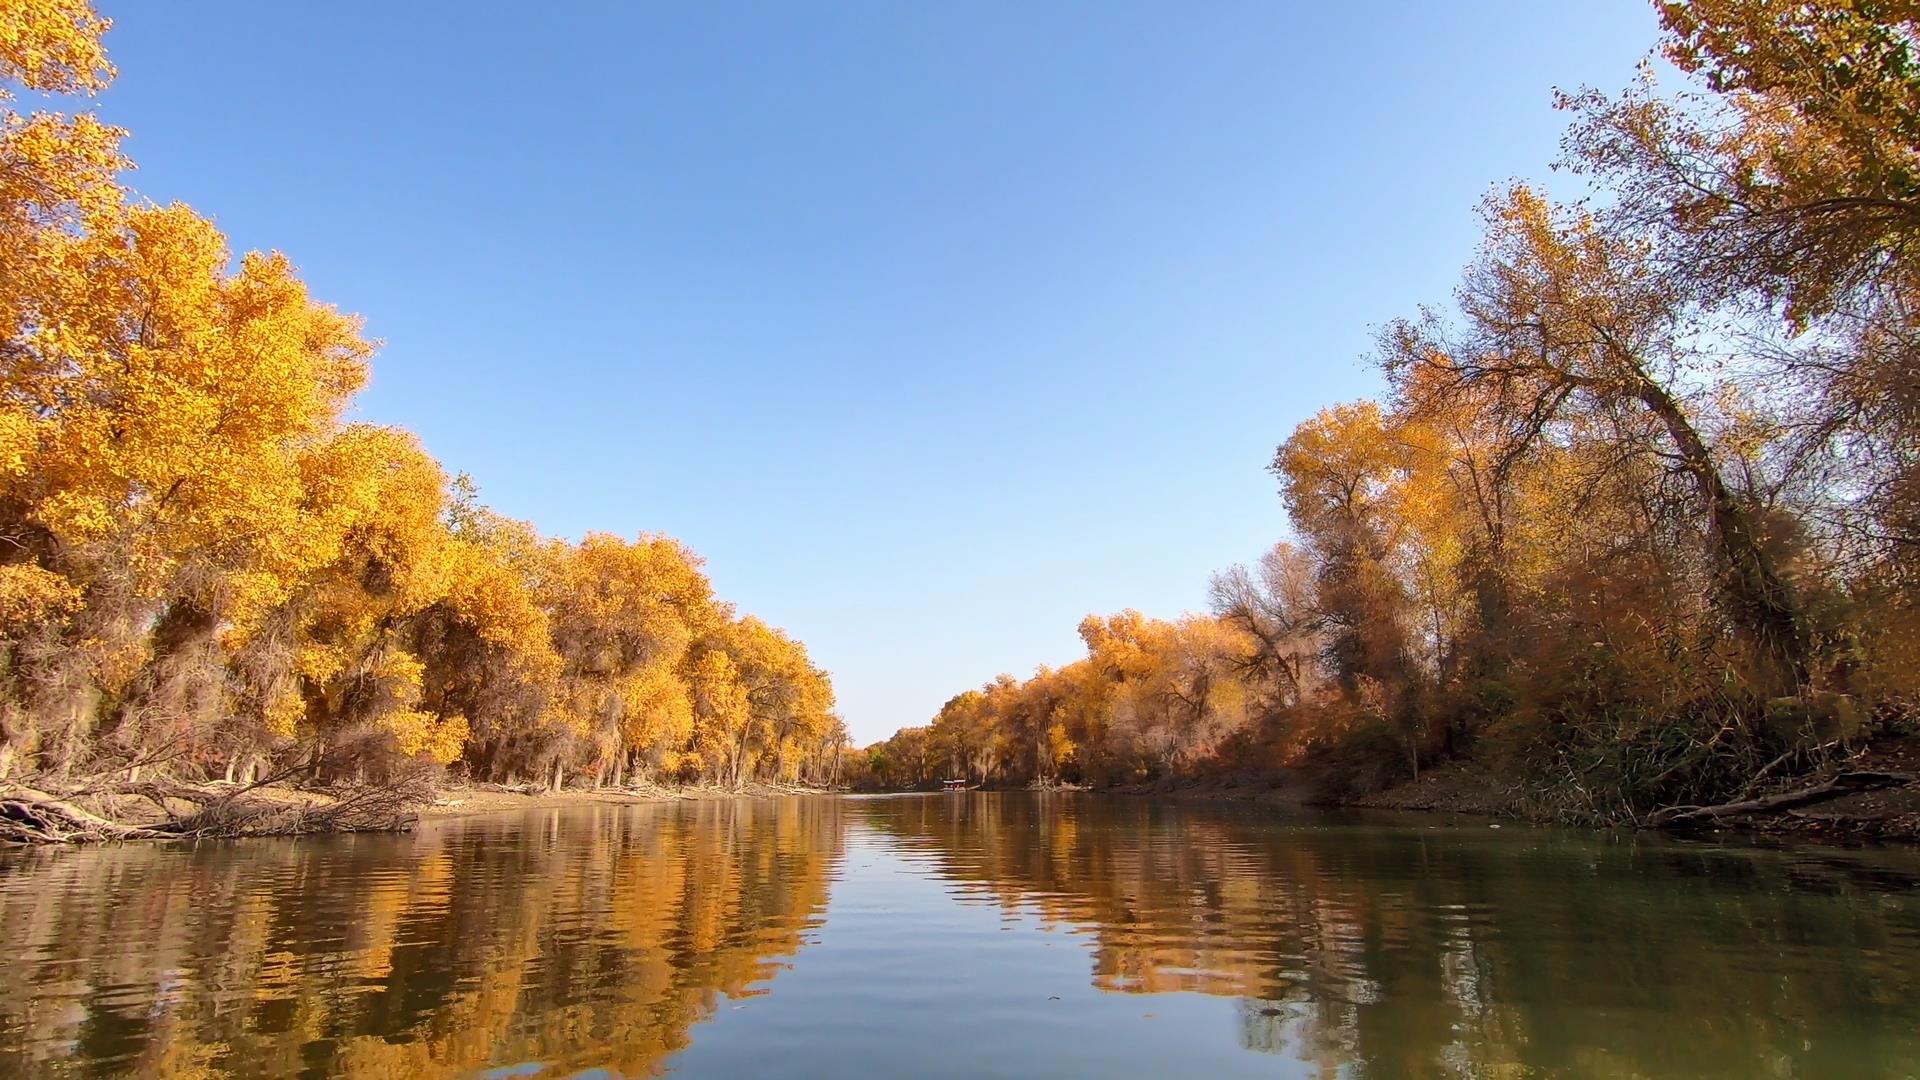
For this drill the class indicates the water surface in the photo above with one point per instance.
(959, 935)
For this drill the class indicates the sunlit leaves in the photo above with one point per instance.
(53, 45)
(197, 550)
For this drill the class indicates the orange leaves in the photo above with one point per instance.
(722, 709)
(173, 407)
(54, 46)
(29, 594)
(153, 402)
(159, 416)
(659, 710)
(630, 603)
(1151, 693)
(439, 739)
(624, 615)
(497, 602)
(1337, 462)
(756, 694)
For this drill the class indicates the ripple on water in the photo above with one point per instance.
(963, 935)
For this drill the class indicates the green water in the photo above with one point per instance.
(959, 935)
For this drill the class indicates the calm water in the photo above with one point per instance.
(962, 935)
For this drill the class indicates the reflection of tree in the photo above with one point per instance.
(586, 939)
(1422, 952)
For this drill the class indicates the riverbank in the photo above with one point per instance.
(460, 801)
(1873, 796)
(1890, 812)
(69, 813)
(1452, 788)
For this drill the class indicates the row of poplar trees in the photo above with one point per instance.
(1637, 519)
(205, 568)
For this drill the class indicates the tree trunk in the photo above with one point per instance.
(1763, 606)
(739, 763)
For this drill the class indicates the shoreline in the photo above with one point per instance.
(1463, 789)
(74, 815)
(1452, 790)
(456, 802)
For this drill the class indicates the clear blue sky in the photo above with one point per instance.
(934, 327)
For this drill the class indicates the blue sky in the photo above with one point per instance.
(934, 327)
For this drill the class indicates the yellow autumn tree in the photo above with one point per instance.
(624, 617)
(155, 412)
(206, 568)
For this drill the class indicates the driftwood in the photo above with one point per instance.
(1834, 787)
(29, 816)
(34, 816)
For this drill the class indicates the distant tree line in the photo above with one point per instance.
(1637, 521)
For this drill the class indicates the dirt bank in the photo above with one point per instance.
(1453, 788)
(1891, 813)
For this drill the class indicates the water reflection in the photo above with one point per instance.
(960, 935)
(1415, 950)
(568, 939)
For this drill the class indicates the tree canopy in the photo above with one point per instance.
(1634, 522)
(204, 563)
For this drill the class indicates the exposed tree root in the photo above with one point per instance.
(1834, 787)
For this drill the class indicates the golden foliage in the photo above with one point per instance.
(201, 553)
(1636, 523)
(53, 45)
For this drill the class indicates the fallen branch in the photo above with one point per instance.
(1837, 786)
(1760, 777)
(28, 816)
(32, 816)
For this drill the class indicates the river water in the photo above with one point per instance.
(959, 935)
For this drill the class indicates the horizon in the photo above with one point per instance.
(929, 335)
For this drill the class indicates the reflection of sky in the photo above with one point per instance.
(971, 935)
(914, 976)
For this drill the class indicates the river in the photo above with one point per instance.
(960, 935)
